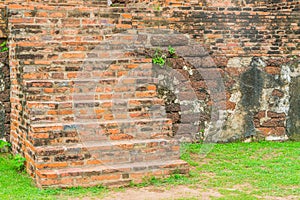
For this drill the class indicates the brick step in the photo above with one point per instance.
(126, 83)
(52, 133)
(106, 153)
(130, 103)
(130, 70)
(121, 42)
(89, 84)
(119, 109)
(109, 175)
(125, 129)
(91, 89)
(47, 83)
(97, 110)
(91, 115)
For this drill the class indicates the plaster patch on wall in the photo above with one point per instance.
(265, 98)
(264, 111)
(239, 62)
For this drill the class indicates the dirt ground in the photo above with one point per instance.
(154, 193)
(174, 193)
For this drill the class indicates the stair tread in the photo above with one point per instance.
(100, 122)
(111, 168)
(85, 80)
(92, 144)
(96, 101)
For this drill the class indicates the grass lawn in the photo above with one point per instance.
(265, 170)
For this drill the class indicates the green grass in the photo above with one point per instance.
(15, 185)
(236, 170)
(254, 169)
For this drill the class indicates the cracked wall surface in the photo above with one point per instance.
(259, 101)
(242, 72)
(4, 79)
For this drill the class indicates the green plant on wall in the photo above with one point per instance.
(159, 58)
(3, 46)
(171, 51)
(156, 7)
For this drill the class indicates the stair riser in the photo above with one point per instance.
(120, 130)
(102, 108)
(107, 155)
(108, 177)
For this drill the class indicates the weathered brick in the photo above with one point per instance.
(51, 45)
(272, 70)
(277, 93)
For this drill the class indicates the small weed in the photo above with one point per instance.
(176, 179)
(157, 7)
(152, 180)
(159, 58)
(19, 162)
(3, 46)
(4, 146)
(171, 51)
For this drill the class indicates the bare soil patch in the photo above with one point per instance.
(155, 193)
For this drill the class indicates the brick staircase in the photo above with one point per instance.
(107, 163)
(103, 125)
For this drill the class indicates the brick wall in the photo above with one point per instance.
(4, 97)
(4, 79)
(3, 21)
(248, 47)
(229, 31)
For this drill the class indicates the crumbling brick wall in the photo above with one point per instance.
(4, 79)
(232, 33)
(252, 46)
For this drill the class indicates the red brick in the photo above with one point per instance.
(277, 93)
(127, 15)
(105, 96)
(272, 70)
(274, 122)
(121, 137)
(51, 165)
(280, 131)
(57, 15)
(230, 105)
(107, 177)
(145, 94)
(73, 55)
(260, 114)
(67, 181)
(48, 182)
(49, 90)
(275, 115)
(108, 116)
